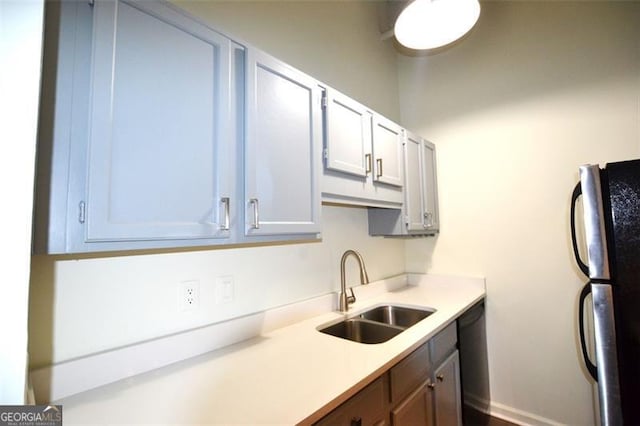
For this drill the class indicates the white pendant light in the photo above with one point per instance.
(427, 24)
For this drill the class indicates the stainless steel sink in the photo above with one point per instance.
(400, 316)
(362, 331)
(378, 324)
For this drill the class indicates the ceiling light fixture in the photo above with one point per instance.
(427, 24)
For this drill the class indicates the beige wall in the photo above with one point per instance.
(336, 42)
(84, 304)
(537, 89)
(20, 62)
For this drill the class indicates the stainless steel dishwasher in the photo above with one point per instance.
(474, 368)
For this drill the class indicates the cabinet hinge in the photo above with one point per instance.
(91, 2)
(325, 153)
(81, 212)
(323, 101)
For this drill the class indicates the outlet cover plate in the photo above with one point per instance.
(224, 289)
(189, 296)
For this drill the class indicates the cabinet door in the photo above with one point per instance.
(414, 183)
(366, 408)
(159, 126)
(387, 151)
(282, 149)
(447, 394)
(430, 191)
(416, 409)
(409, 373)
(348, 135)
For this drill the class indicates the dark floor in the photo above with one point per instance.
(478, 418)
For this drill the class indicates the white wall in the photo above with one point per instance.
(537, 89)
(20, 59)
(337, 43)
(84, 304)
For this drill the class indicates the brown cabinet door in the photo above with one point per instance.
(447, 392)
(409, 373)
(366, 408)
(416, 409)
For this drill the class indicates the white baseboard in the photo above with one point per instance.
(504, 412)
(477, 403)
(519, 417)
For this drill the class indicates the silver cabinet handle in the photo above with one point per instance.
(368, 165)
(225, 223)
(256, 213)
(379, 167)
(431, 385)
(440, 378)
(428, 220)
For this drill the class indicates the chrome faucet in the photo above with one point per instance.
(345, 300)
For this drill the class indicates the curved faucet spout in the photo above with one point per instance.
(364, 279)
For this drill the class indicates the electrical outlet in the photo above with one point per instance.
(188, 296)
(224, 289)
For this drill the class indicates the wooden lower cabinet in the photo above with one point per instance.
(367, 407)
(416, 409)
(410, 373)
(447, 391)
(421, 389)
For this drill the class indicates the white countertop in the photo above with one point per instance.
(291, 375)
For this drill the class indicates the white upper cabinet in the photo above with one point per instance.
(138, 134)
(421, 196)
(159, 158)
(348, 135)
(282, 149)
(387, 151)
(430, 191)
(419, 212)
(159, 132)
(414, 185)
(156, 131)
(363, 154)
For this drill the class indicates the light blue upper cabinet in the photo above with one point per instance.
(430, 189)
(139, 131)
(160, 126)
(362, 155)
(421, 196)
(414, 185)
(387, 151)
(157, 132)
(282, 149)
(348, 135)
(419, 213)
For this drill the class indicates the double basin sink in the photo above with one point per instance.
(378, 324)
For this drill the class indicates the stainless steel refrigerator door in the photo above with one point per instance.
(602, 294)
(595, 234)
(606, 355)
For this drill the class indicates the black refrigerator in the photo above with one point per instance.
(611, 210)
